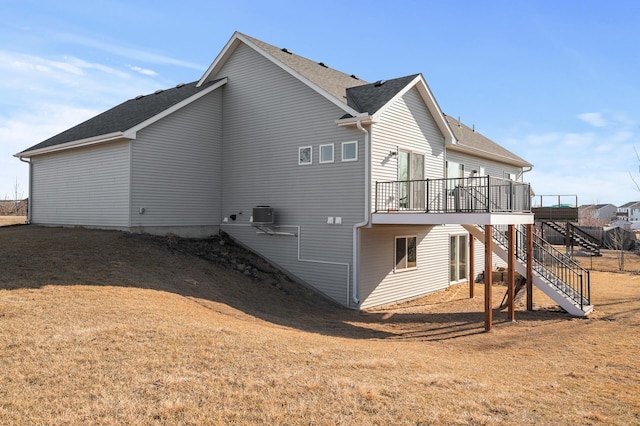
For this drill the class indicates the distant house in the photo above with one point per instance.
(365, 192)
(629, 212)
(601, 214)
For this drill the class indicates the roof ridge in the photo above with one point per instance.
(331, 80)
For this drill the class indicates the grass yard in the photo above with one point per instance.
(100, 327)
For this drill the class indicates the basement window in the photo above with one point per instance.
(406, 254)
(305, 155)
(326, 153)
(350, 151)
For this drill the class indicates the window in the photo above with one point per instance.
(457, 258)
(326, 153)
(406, 255)
(304, 155)
(510, 176)
(350, 151)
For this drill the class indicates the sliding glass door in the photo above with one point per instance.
(411, 177)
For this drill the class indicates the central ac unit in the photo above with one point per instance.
(262, 215)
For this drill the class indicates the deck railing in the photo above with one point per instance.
(484, 194)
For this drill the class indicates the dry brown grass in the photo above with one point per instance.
(609, 261)
(12, 220)
(108, 328)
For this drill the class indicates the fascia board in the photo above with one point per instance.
(431, 104)
(131, 133)
(94, 140)
(352, 121)
(222, 57)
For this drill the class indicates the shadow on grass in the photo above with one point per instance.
(220, 271)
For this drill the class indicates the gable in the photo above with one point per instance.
(370, 98)
(330, 83)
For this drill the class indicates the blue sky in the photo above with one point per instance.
(556, 82)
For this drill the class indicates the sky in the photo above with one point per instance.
(557, 82)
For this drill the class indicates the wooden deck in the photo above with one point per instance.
(555, 214)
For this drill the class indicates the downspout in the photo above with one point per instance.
(365, 222)
(30, 180)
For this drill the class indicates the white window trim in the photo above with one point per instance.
(342, 153)
(333, 154)
(395, 260)
(300, 163)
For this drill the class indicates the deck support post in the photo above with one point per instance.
(530, 267)
(471, 266)
(488, 277)
(511, 272)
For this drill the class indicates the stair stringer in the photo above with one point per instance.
(557, 296)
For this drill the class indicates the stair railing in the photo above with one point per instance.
(581, 237)
(553, 266)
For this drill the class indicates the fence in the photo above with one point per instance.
(14, 207)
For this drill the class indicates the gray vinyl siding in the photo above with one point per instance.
(406, 125)
(268, 115)
(86, 186)
(177, 167)
(380, 284)
(492, 168)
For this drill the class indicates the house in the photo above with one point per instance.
(365, 192)
(597, 214)
(629, 212)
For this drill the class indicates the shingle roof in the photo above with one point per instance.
(370, 98)
(629, 204)
(124, 116)
(595, 206)
(357, 94)
(476, 142)
(331, 80)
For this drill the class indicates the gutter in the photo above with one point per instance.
(489, 155)
(75, 144)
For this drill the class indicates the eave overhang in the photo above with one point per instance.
(364, 119)
(111, 137)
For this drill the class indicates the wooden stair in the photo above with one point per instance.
(585, 240)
